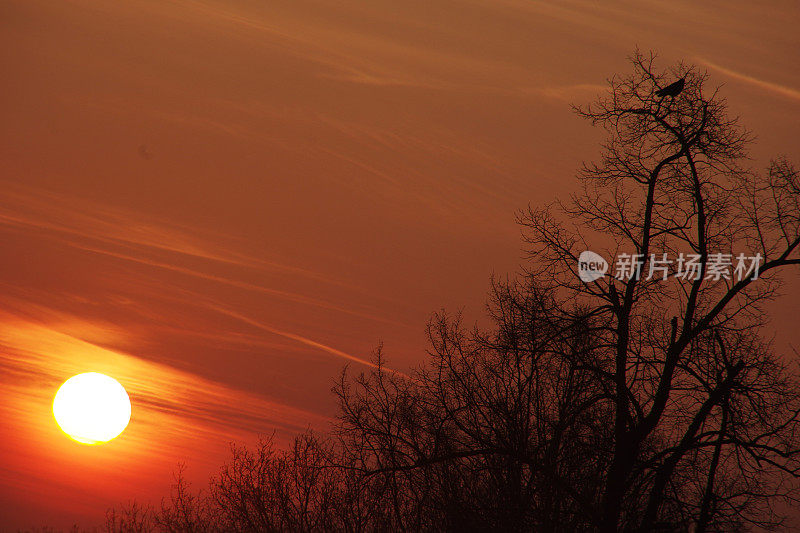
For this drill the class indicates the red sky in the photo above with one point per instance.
(221, 203)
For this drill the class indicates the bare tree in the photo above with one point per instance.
(185, 510)
(698, 398)
(307, 487)
(632, 402)
(131, 518)
(498, 432)
(267, 490)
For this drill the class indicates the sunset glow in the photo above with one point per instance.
(212, 210)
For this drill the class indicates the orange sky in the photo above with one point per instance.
(222, 202)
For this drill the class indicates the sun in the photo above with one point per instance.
(92, 408)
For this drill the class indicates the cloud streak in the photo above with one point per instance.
(299, 338)
(775, 88)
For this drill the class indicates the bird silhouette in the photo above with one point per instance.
(673, 89)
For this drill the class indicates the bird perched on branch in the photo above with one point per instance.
(673, 89)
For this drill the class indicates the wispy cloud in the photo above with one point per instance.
(295, 337)
(37, 208)
(286, 295)
(766, 85)
(571, 93)
(148, 240)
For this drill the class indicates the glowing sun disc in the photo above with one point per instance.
(92, 408)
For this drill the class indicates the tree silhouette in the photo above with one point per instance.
(704, 413)
(642, 401)
(499, 432)
(639, 403)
